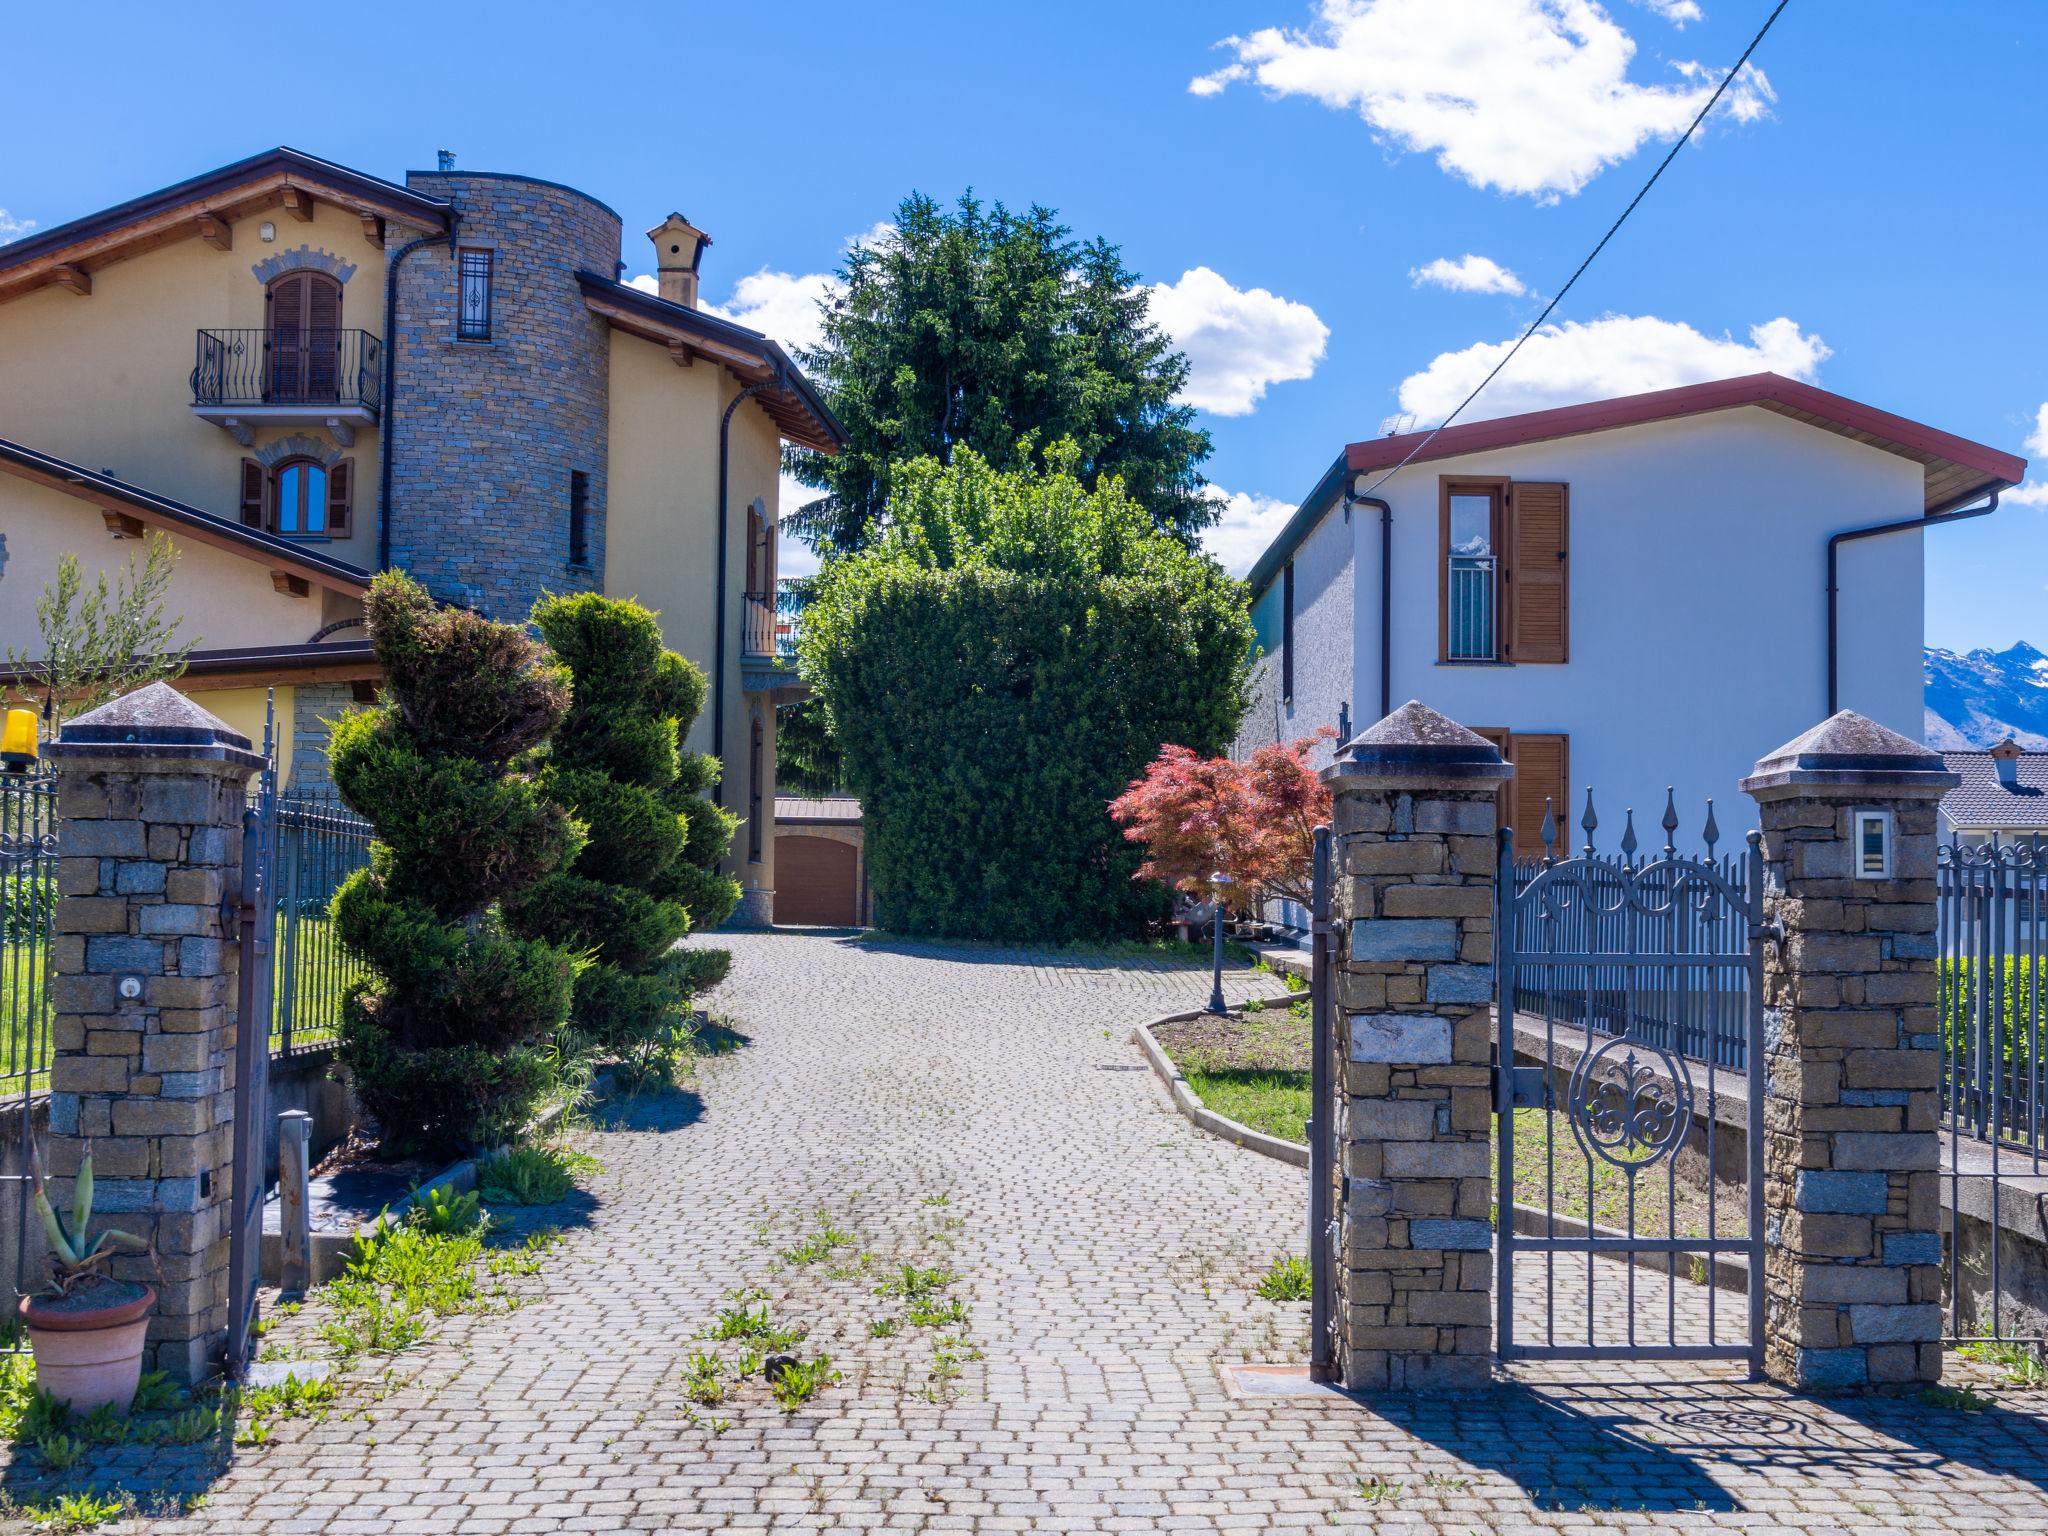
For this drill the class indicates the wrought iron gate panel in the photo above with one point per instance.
(1637, 988)
(252, 915)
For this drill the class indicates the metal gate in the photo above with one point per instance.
(250, 914)
(1630, 1008)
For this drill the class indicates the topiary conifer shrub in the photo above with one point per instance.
(446, 1039)
(648, 876)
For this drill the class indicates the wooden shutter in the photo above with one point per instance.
(1542, 773)
(1539, 606)
(254, 480)
(323, 302)
(288, 302)
(338, 478)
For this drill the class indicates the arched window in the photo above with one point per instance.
(298, 498)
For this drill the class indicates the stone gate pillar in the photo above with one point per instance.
(1852, 1032)
(150, 792)
(1414, 821)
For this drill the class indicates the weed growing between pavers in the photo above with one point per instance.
(1287, 1280)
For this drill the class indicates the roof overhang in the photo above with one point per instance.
(800, 415)
(293, 562)
(69, 254)
(1956, 470)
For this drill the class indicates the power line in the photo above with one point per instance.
(1536, 325)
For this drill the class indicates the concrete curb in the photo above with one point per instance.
(1184, 1099)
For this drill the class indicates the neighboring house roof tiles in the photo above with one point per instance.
(112, 495)
(265, 180)
(1980, 801)
(799, 412)
(840, 809)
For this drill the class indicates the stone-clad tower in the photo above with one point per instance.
(499, 412)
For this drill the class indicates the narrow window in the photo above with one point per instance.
(1469, 521)
(300, 503)
(579, 517)
(754, 755)
(473, 322)
(1287, 634)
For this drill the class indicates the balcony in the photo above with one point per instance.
(768, 645)
(244, 379)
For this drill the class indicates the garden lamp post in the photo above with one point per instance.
(1219, 885)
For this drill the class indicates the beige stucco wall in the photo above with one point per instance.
(661, 540)
(243, 708)
(104, 380)
(220, 599)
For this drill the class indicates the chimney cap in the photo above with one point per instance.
(678, 242)
(2007, 749)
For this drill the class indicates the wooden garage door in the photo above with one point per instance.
(817, 882)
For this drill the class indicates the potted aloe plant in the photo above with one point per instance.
(87, 1328)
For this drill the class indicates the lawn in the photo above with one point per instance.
(1251, 1066)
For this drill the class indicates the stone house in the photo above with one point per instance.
(302, 374)
(1629, 594)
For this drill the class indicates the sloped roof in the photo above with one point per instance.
(798, 411)
(1956, 469)
(110, 494)
(840, 809)
(169, 214)
(1981, 801)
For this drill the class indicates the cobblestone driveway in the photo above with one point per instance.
(984, 1110)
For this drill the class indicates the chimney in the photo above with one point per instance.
(678, 248)
(2005, 757)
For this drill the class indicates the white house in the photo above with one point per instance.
(1626, 595)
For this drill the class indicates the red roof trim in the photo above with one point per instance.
(1689, 400)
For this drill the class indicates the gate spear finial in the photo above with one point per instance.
(1670, 823)
(1713, 832)
(1628, 836)
(1589, 821)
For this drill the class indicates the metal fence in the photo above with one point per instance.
(320, 843)
(1991, 908)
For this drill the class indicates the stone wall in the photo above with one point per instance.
(313, 705)
(486, 434)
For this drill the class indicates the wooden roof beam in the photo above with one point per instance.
(682, 353)
(71, 275)
(216, 232)
(373, 228)
(289, 585)
(298, 202)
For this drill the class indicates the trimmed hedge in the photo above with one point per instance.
(648, 875)
(2019, 999)
(1015, 649)
(445, 1039)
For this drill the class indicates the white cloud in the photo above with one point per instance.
(1248, 525)
(1238, 341)
(2034, 493)
(875, 234)
(1599, 359)
(646, 282)
(793, 557)
(1468, 274)
(1525, 96)
(781, 304)
(1677, 12)
(12, 228)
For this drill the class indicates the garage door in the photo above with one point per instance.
(817, 882)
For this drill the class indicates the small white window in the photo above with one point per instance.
(1871, 844)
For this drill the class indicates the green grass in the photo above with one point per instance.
(1594, 1184)
(1276, 1103)
(311, 949)
(1287, 1280)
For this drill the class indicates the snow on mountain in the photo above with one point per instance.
(1978, 698)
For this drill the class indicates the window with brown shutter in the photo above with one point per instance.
(255, 481)
(1502, 589)
(1538, 596)
(338, 499)
(303, 338)
(1542, 782)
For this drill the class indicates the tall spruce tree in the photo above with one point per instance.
(982, 328)
(445, 1041)
(649, 873)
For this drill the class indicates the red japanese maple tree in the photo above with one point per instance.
(1254, 820)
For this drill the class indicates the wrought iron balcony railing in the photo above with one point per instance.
(769, 626)
(284, 366)
(1469, 629)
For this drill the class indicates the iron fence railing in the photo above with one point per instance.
(770, 624)
(1639, 906)
(1469, 625)
(320, 843)
(303, 366)
(1991, 910)
(28, 897)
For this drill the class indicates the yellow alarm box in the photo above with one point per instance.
(18, 749)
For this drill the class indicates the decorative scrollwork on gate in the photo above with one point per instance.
(1630, 1103)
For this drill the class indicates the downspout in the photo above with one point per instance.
(724, 537)
(1386, 595)
(1835, 542)
(391, 383)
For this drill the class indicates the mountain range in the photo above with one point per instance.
(1978, 698)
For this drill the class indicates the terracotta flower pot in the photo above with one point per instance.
(86, 1356)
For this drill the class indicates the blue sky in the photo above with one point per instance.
(1870, 217)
